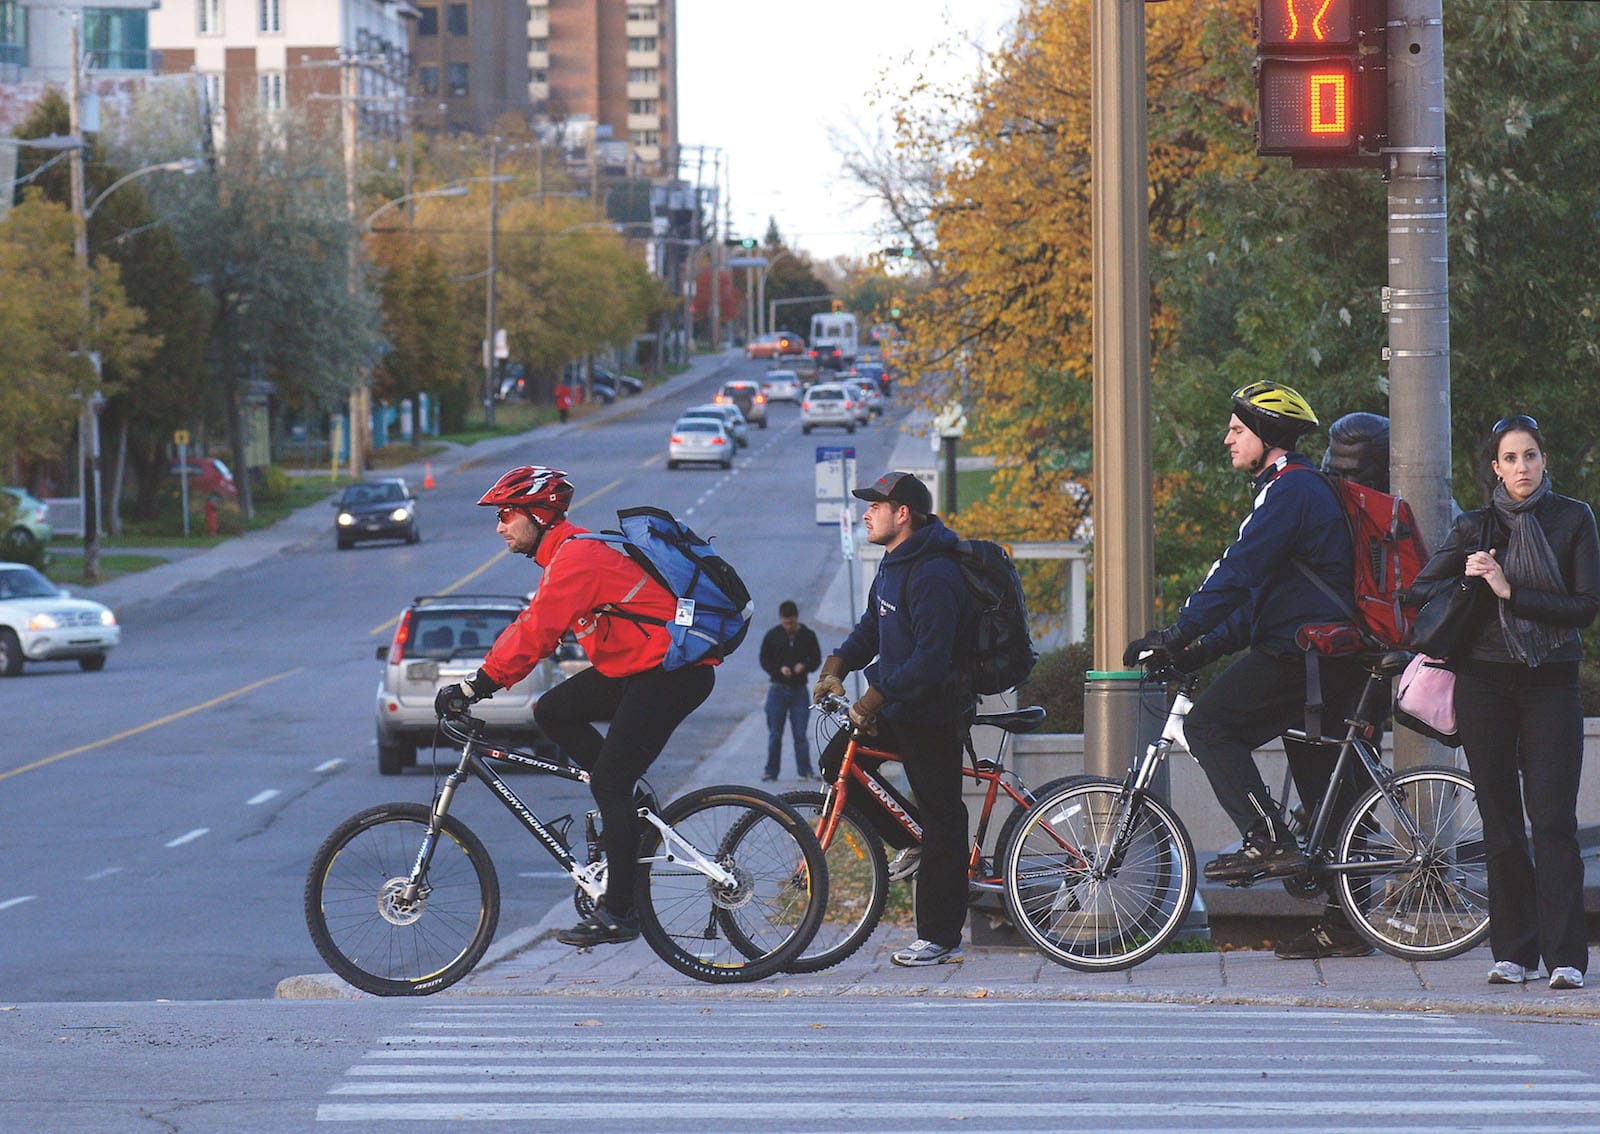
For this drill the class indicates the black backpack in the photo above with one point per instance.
(1002, 649)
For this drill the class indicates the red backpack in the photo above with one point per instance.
(1389, 553)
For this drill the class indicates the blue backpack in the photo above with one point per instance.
(714, 605)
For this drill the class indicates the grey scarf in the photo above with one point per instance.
(1528, 562)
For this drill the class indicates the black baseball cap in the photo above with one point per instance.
(899, 488)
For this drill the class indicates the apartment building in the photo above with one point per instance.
(270, 55)
(113, 35)
(597, 76)
(608, 67)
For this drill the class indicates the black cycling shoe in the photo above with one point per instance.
(1330, 937)
(601, 927)
(1257, 859)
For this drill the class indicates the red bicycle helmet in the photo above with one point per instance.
(545, 494)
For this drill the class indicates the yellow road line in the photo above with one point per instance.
(148, 725)
(385, 627)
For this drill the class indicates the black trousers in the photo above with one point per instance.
(931, 755)
(1259, 697)
(643, 709)
(1522, 730)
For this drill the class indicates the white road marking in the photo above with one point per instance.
(262, 797)
(106, 873)
(327, 765)
(190, 837)
(9, 902)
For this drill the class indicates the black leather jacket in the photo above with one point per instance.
(1569, 526)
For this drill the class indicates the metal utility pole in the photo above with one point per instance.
(1124, 560)
(88, 421)
(488, 286)
(1418, 296)
(360, 392)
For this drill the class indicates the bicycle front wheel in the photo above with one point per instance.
(366, 930)
(1422, 901)
(1086, 901)
(755, 926)
(858, 884)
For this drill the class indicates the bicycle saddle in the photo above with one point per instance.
(1018, 720)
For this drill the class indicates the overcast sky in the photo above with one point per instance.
(765, 81)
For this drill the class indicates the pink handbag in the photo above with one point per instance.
(1425, 699)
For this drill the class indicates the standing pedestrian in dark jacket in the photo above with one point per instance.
(915, 625)
(788, 653)
(1517, 704)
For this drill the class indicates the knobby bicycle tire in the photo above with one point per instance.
(1080, 910)
(1424, 911)
(858, 884)
(753, 929)
(367, 935)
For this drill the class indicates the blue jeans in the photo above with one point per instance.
(794, 703)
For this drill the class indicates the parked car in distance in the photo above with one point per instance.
(781, 386)
(748, 396)
(207, 476)
(375, 509)
(827, 403)
(26, 525)
(608, 385)
(726, 412)
(702, 438)
(41, 622)
(439, 640)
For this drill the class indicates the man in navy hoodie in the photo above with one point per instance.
(917, 626)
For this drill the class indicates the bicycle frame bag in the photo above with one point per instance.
(714, 605)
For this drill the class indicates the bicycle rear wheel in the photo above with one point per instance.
(1435, 902)
(1085, 904)
(368, 934)
(757, 926)
(1008, 829)
(858, 884)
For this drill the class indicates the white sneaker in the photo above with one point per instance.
(1509, 972)
(905, 864)
(927, 953)
(1565, 976)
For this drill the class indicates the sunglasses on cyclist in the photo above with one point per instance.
(1515, 421)
(506, 515)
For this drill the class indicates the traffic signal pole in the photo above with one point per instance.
(1124, 526)
(1417, 299)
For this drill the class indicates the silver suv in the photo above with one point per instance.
(440, 640)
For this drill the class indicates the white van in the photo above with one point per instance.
(832, 330)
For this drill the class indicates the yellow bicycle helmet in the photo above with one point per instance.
(1274, 412)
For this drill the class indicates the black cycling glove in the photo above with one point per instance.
(452, 700)
(1161, 644)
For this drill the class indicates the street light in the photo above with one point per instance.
(447, 191)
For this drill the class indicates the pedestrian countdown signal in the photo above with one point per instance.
(1320, 72)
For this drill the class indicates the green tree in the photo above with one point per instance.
(272, 239)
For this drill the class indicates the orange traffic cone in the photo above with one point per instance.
(427, 474)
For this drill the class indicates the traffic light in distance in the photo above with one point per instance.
(894, 307)
(838, 305)
(748, 242)
(1320, 81)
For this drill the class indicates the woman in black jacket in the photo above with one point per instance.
(1517, 704)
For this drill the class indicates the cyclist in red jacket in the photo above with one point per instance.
(589, 588)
